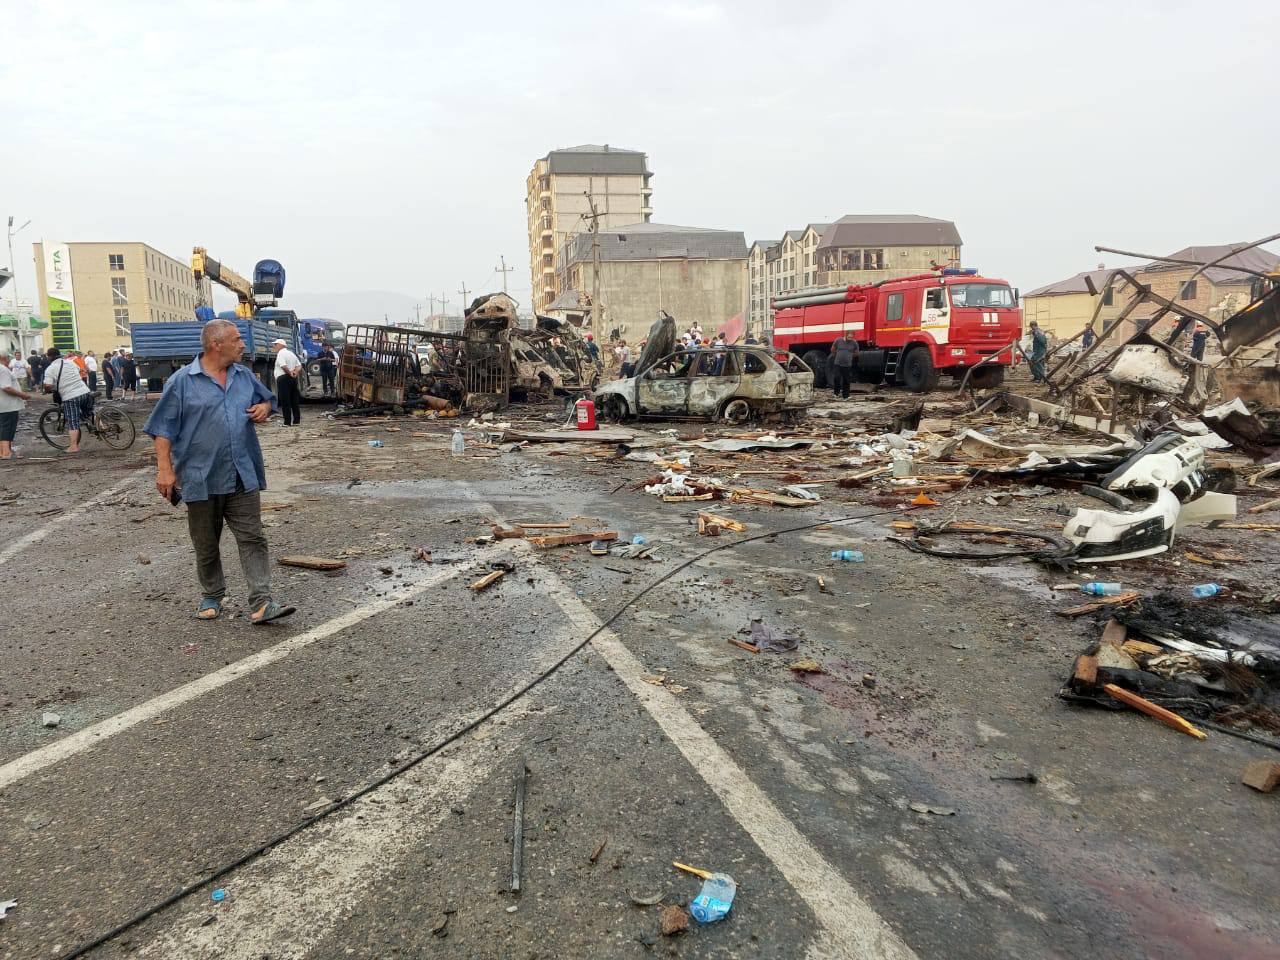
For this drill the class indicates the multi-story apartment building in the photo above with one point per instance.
(775, 268)
(854, 249)
(560, 190)
(870, 248)
(94, 292)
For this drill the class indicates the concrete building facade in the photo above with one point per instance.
(854, 249)
(558, 207)
(1063, 308)
(863, 248)
(92, 293)
(693, 273)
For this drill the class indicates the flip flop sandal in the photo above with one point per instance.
(210, 609)
(272, 611)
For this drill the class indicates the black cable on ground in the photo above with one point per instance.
(458, 734)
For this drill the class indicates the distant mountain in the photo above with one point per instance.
(356, 306)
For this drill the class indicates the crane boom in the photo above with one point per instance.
(263, 291)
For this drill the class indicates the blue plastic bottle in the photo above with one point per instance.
(715, 899)
(848, 556)
(1202, 591)
(1102, 589)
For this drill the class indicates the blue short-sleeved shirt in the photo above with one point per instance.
(213, 439)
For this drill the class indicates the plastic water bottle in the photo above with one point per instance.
(459, 443)
(848, 556)
(639, 540)
(1202, 591)
(715, 899)
(1102, 589)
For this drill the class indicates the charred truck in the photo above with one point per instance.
(910, 330)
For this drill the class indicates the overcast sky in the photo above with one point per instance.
(385, 145)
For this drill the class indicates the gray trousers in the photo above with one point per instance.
(242, 512)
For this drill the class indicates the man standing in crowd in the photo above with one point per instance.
(129, 375)
(62, 379)
(207, 454)
(1089, 337)
(18, 367)
(624, 358)
(844, 355)
(592, 348)
(91, 365)
(12, 400)
(288, 368)
(329, 370)
(35, 370)
(109, 373)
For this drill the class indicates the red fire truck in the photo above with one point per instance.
(910, 330)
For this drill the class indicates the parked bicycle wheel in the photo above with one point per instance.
(53, 429)
(115, 428)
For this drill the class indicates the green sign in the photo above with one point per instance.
(63, 320)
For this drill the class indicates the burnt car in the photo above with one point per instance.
(734, 383)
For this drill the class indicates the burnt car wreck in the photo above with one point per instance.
(491, 363)
(734, 383)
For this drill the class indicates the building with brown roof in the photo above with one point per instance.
(1063, 308)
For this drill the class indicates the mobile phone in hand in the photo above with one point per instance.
(175, 495)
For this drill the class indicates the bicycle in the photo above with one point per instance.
(108, 423)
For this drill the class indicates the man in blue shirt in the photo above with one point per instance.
(207, 453)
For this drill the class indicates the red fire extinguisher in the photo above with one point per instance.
(586, 414)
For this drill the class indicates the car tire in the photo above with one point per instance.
(736, 411)
(985, 378)
(817, 362)
(614, 409)
(919, 375)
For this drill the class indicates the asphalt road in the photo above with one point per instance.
(184, 747)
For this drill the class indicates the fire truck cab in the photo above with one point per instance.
(910, 330)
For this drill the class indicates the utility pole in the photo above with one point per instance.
(594, 217)
(443, 303)
(465, 299)
(505, 270)
(431, 305)
(13, 281)
(417, 314)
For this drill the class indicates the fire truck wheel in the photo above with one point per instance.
(736, 411)
(817, 361)
(918, 372)
(984, 378)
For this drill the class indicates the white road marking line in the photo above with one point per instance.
(850, 926)
(91, 736)
(35, 536)
(287, 902)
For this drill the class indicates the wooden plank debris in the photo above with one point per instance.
(488, 580)
(1167, 717)
(1262, 775)
(570, 539)
(311, 563)
(727, 523)
(1127, 597)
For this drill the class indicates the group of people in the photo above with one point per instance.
(117, 369)
(72, 378)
